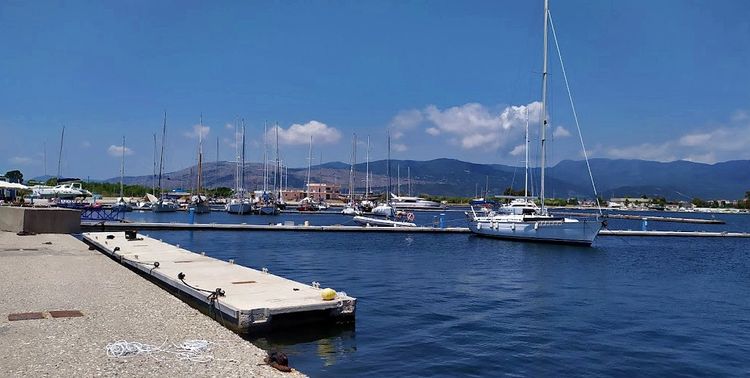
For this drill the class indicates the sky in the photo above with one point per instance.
(664, 80)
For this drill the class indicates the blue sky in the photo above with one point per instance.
(661, 80)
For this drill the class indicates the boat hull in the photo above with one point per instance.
(565, 231)
(268, 210)
(199, 208)
(239, 208)
(368, 221)
(166, 207)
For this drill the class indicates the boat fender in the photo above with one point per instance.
(479, 226)
(536, 225)
(328, 294)
(513, 227)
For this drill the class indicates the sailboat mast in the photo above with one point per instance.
(242, 169)
(544, 107)
(388, 170)
(408, 175)
(122, 165)
(153, 177)
(398, 180)
(161, 158)
(265, 157)
(309, 167)
(526, 162)
(200, 157)
(59, 157)
(354, 170)
(367, 169)
(351, 172)
(277, 174)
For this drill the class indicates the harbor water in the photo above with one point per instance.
(460, 305)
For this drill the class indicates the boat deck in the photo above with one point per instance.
(243, 299)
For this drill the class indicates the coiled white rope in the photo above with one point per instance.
(188, 350)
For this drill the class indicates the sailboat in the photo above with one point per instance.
(198, 203)
(389, 216)
(239, 204)
(267, 205)
(351, 207)
(163, 204)
(122, 205)
(523, 220)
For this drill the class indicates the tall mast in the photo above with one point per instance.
(265, 157)
(59, 157)
(45, 158)
(367, 169)
(153, 178)
(544, 106)
(526, 162)
(122, 165)
(242, 169)
(278, 166)
(351, 172)
(200, 157)
(161, 158)
(309, 166)
(354, 170)
(408, 175)
(398, 180)
(388, 170)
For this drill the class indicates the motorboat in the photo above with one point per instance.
(414, 203)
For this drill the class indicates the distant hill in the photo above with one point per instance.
(679, 180)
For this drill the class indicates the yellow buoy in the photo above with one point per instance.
(328, 294)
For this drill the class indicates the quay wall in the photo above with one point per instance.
(40, 220)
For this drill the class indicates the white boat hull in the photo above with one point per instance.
(562, 231)
(368, 221)
(164, 207)
(239, 208)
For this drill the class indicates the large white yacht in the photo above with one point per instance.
(414, 203)
(522, 219)
(70, 190)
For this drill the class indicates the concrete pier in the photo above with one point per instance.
(243, 299)
(44, 274)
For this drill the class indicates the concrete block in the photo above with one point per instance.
(40, 220)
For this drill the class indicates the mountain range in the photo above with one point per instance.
(678, 180)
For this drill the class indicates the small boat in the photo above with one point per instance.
(163, 205)
(381, 222)
(199, 204)
(414, 203)
(122, 206)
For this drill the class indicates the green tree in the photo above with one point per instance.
(14, 176)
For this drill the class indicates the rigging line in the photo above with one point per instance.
(575, 114)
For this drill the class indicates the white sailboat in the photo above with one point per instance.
(163, 205)
(390, 218)
(239, 204)
(199, 203)
(122, 205)
(522, 220)
(351, 207)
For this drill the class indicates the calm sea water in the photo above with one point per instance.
(461, 305)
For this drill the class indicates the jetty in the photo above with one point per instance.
(649, 218)
(286, 226)
(243, 299)
(64, 303)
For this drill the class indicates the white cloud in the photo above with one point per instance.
(476, 126)
(117, 151)
(560, 132)
(403, 121)
(300, 134)
(725, 142)
(197, 131)
(399, 147)
(229, 126)
(517, 150)
(20, 160)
